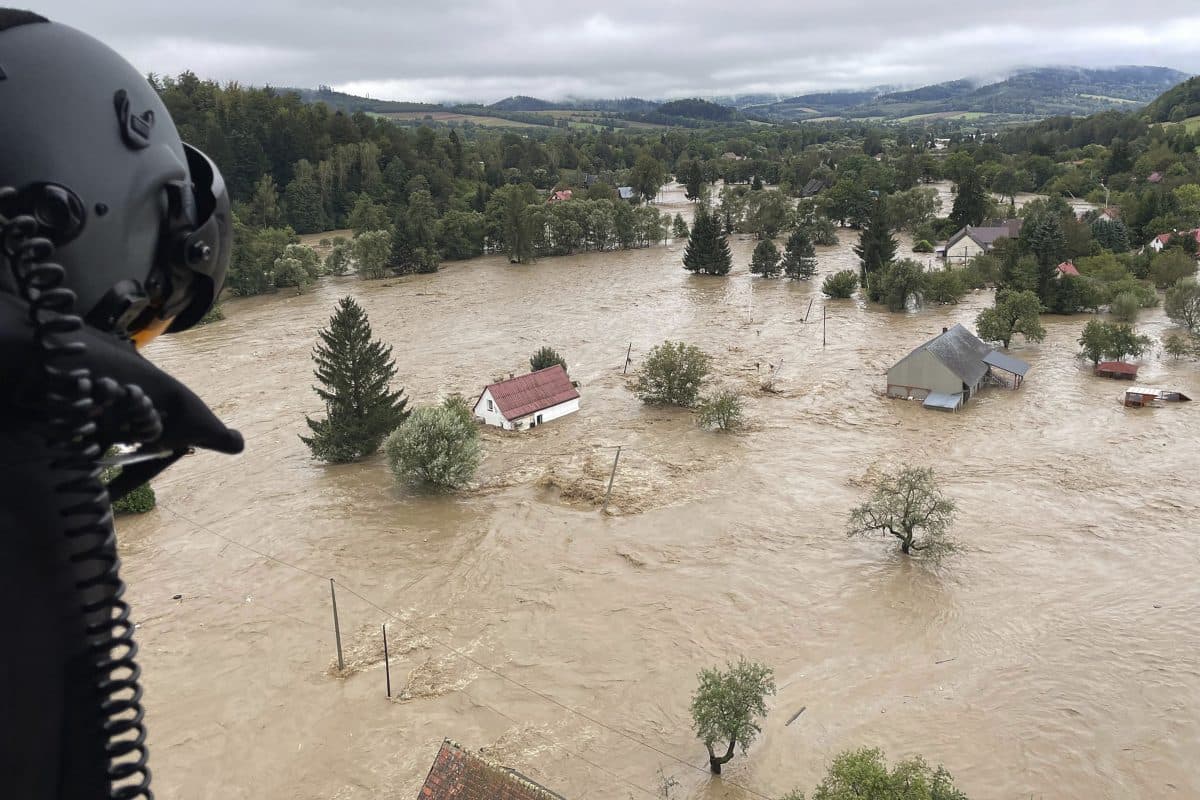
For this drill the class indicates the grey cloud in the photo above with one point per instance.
(487, 49)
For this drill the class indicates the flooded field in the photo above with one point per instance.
(1054, 658)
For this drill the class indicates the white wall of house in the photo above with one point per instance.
(963, 250)
(547, 414)
(487, 410)
(1156, 245)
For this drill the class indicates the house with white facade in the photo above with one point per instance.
(973, 241)
(527, 401)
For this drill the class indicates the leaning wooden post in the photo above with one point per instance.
(610, 479)
(337, 628)
(822, 326)
(628, 353)
(808, 311)
(387, 667)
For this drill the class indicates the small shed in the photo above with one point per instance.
(626, 193)
(527, 401)
(1117, 370)
(1142, 396)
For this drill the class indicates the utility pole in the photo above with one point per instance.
(337, 628)
(611, 477)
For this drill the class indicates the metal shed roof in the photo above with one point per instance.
(1007, 363)
(949, 402)
(962, 352)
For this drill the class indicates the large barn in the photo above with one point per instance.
(949, 369)
(527, 401)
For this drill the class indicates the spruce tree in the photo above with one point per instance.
(355, 374)
(679, 227)
(972, 201)
(765, 260)
(707, 251)
(799, 257)
(876, 246)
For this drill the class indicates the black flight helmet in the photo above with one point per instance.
(140, 221)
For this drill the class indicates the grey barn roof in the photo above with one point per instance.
(961, 351)
(1007, 363)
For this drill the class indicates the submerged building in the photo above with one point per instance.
(949, 370)
(527, 401)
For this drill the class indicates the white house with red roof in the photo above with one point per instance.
(1068, 268)
(527, 401)
(1159, 242)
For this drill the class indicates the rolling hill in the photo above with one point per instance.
(1032, 93)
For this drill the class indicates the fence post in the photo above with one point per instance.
(337, 628)
(612, 476)
(628, 353)
(387, 667)
(822, 325)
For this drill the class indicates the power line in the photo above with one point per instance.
(476, 662)
(232, 541)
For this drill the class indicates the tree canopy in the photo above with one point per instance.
(727, 705)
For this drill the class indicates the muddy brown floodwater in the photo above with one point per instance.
(1055, 657)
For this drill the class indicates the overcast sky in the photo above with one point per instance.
(488, 49)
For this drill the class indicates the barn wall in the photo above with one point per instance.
(919, 374)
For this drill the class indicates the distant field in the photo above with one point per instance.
(963, 115)
(451, 116)
(313, 239)
(585, 118)
(1110, 99)
(1192, 124)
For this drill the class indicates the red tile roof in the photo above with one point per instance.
(1117, 367)
(537, 391)
(562, 194)
(1155, 177)
(459, 775)
(1067, 268)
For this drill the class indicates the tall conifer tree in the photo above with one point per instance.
(799, 257)
(876, 246)
(355, 372)
(707, 250)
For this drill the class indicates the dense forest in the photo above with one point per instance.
(414, 196)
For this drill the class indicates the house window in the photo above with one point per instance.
(490, 406)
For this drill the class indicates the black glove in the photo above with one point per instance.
(186, 421)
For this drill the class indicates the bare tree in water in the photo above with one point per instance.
(904, 504)
(727, 704)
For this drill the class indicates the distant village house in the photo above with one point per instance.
(972, 241)
(459, 775)
(949, 370)
(1067, 268)
(1158, 243)
(627, 193)
(527, 401)
(560, 196)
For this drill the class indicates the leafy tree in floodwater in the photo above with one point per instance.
(864, 775)
(903, 505)
(355, 372)
(546, 357)
(727, 706)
